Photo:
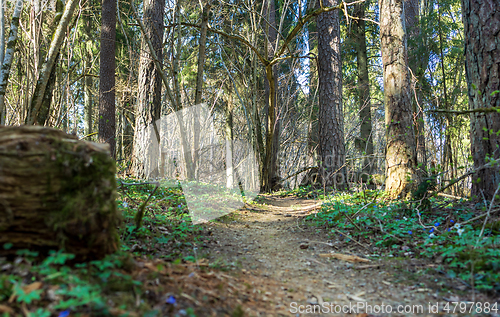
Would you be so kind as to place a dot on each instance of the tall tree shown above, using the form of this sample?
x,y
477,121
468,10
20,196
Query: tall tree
x,y
363,90
417,65
107,127
149,99
87,64
482,52
330,117
401,160
39,110
202,45
7,59
273,126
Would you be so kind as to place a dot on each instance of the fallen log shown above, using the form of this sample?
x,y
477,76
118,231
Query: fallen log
x,y
56,192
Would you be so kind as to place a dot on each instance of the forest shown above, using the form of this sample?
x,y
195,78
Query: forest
x,y
248,158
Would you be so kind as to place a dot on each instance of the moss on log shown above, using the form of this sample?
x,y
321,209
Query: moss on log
x,y
56,192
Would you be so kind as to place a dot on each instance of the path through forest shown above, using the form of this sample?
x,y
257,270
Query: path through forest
x,y
279,258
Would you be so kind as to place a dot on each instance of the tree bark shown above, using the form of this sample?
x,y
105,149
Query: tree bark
x,y
330,116
270,168
56,192
417,66
199,83
146,136
401,160
35,111
9,55
88,81
482,63
107,125
363,92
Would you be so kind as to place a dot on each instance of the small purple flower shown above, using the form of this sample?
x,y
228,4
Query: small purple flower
x,y
171,300
449,229
432,230
180,206
452,221
437,224
409,232
64,313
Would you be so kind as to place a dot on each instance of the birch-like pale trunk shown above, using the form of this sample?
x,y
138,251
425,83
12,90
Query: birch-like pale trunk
x,y
2,31
43,78
9,54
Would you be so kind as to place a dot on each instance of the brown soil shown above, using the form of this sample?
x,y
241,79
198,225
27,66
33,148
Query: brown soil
x,y
275,259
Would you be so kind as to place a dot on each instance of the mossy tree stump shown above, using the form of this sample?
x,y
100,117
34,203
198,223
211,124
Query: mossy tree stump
x,y
56,192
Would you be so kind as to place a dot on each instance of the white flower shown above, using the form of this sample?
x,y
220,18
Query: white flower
x,y
405,218
384,214
431,235
125,205
456,226
460,231
357,218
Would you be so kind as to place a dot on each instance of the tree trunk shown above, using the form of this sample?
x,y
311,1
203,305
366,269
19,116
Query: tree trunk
x,y
482,52
270,168
56,192
9,55
146,136
400,149
107,127
416,63
199,84
88,81
36,114
229,142
363,93
330,116
2,31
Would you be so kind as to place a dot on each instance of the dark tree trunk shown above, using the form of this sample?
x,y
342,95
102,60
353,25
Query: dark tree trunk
x,y
401,160
146,136
107,126
87,79
482,52
330,116
270,169
417,66
365,117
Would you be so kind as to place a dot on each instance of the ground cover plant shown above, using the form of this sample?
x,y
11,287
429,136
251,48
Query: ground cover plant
x,y
167,265
449,230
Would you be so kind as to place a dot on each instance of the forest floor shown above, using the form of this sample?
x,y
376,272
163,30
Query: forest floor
x,y
286,266
279,255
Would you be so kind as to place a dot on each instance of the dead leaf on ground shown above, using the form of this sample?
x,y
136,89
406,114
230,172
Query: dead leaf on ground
x,y
6,309
27,289
344,257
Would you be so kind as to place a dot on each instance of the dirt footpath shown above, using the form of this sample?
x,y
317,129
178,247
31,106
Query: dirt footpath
x,y
279,257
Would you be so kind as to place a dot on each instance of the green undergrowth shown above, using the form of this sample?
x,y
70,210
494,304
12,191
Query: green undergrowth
x,y
398,229
167,231
57,286
51,286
